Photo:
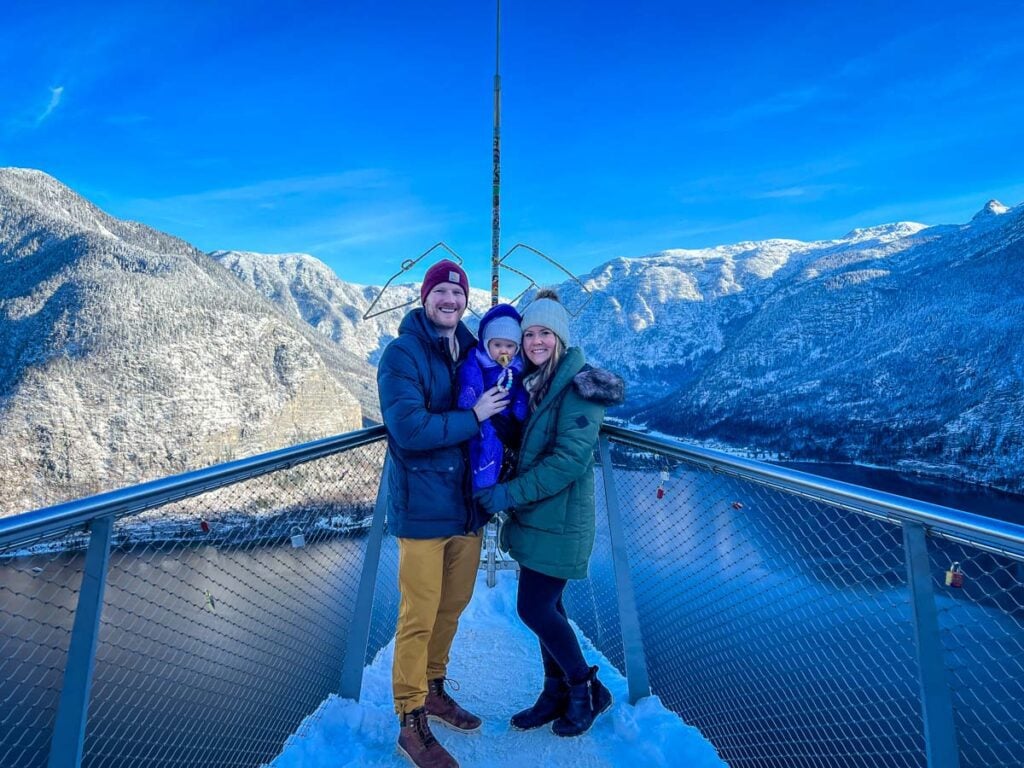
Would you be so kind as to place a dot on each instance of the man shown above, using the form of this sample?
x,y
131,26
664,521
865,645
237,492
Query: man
x,y
431,509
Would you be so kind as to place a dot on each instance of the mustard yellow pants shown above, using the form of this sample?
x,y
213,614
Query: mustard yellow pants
x,y
435,579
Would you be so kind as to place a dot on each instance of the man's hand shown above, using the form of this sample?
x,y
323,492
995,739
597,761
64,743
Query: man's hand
x,y
494,400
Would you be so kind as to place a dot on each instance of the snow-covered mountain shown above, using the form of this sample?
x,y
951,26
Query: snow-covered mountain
x,y
881,346
128,354
897,345
306,288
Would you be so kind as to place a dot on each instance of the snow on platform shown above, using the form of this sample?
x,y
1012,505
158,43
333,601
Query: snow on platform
x,y
496,662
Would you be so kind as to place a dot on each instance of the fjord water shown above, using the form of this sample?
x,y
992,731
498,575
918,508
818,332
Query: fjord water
x,y
782,627
205,653
979,499
776,616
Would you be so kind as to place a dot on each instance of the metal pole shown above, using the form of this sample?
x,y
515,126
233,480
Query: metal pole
x,y
68,741
496,156
629,618
491,534
359,634
936,700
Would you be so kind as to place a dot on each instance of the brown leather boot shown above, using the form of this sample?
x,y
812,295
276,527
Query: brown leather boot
x,y
442,707
417,743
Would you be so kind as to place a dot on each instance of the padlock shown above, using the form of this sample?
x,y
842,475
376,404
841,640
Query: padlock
x,y
204,526
298,537
661,492
737,505
955,576
664,476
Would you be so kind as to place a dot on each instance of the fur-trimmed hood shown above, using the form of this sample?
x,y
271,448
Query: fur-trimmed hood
x,y
600,386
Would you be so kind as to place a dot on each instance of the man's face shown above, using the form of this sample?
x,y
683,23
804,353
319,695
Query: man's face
x,y
445,305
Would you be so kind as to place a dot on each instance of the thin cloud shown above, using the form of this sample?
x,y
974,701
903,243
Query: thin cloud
x,y
805,180
55,96
888,56
355,213
355,229
777,104
806,191
272,189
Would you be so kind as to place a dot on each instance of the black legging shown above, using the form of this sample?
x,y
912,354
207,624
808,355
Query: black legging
x,y
539,603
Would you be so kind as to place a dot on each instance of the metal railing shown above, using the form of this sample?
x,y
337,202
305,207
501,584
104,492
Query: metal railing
x,y
190,621
797,621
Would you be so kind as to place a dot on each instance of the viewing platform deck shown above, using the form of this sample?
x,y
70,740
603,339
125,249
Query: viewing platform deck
x,y
496,663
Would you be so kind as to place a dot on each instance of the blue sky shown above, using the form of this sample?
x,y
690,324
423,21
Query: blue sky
x,y
360,132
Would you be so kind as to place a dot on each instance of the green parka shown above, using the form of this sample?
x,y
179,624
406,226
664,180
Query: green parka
x,y
551,525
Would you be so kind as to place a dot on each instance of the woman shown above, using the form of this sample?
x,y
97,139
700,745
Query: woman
x,y
550,501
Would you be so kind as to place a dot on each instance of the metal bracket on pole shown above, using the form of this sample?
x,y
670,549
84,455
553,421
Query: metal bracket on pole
x,y
68,742
489,559
629,618
359,633
936,700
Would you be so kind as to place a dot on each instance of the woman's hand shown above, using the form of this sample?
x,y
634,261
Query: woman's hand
x,y
494,499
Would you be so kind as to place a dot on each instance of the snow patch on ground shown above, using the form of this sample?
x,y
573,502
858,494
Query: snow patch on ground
x,y
497,664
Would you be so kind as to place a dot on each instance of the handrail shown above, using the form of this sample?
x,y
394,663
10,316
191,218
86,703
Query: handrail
x,y
998,535
138,498
940,698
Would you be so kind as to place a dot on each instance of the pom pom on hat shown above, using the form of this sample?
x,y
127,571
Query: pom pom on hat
x,y
445,271
547,311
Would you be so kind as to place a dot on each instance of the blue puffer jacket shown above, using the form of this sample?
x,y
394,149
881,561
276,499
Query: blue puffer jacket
x,y
429,480
499,435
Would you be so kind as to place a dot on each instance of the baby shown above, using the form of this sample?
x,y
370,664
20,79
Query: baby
x,y
495,361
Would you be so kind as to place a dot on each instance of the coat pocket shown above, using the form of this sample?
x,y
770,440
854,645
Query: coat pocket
x,y
434,489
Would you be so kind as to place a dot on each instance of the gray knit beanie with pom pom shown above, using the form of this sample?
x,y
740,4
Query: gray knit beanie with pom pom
x,y
547,311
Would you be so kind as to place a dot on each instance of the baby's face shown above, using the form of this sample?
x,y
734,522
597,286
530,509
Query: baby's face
x,y
502,350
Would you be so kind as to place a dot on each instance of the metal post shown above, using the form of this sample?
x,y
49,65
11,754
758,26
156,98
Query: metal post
x,y
496,161
491,539
629,619
936,700
359,633
69,730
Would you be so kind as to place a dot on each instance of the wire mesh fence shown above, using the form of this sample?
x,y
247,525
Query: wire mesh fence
x,y
982,629
224,622
778,624
38,595
591,602
781,625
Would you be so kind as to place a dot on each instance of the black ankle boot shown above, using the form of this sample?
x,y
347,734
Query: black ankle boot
x,y
587,700
551,705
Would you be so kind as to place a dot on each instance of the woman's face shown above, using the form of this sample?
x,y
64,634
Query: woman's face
x,y
539,344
